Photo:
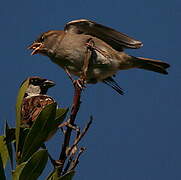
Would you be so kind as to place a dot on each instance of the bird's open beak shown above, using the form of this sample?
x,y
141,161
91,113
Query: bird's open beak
x,y
49,83
36,47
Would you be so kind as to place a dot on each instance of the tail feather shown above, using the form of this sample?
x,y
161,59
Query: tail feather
x,y
112,83
151,65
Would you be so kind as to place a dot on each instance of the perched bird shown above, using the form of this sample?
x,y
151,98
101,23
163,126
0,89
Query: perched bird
x,y
35,99
100,47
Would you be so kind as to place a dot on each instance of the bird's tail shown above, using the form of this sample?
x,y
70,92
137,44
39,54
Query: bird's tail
x,y
151,64
112,83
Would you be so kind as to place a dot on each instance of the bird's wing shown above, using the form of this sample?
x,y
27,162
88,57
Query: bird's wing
x,y
116,39
112,83
31,108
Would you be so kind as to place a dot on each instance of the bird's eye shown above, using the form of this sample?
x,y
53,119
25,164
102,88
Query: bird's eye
x,y
33,81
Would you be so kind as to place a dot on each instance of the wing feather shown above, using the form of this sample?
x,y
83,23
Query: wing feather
x,y
31,108
116,39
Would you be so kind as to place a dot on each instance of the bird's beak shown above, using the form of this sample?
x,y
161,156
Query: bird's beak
x,y
49,83
36,47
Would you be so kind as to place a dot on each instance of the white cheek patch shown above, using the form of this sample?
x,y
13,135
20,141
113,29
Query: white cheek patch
x,y
33,90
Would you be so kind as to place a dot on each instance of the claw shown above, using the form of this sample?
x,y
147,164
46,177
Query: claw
x,y
80,83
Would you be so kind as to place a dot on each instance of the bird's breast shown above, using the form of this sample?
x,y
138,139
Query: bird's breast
x,y
71,53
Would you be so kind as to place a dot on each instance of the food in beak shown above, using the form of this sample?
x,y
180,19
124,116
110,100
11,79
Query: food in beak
x,y
36,47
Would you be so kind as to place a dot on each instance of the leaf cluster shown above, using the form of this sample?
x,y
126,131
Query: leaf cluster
x,y
24,147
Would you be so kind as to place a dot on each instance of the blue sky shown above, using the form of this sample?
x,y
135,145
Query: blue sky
x,y
135,136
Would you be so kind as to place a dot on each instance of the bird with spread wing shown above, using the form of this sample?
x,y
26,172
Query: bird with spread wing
x,y
94,51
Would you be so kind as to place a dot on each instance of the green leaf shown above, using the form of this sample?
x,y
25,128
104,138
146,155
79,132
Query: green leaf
x,y
8,141
10,134
53,175
67,176
18,170
10,138
35,166
19,101
3,151
2,173
60,116
23,134
50,176
39,132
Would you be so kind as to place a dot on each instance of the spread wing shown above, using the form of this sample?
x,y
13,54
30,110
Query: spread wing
x,y
31,108
116,39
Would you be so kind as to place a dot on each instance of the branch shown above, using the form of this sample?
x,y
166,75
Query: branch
x,y
80,136
74,111
75,162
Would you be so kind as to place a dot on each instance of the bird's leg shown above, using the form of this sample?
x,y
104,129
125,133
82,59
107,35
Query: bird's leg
x,y
79,82
91,45
69,75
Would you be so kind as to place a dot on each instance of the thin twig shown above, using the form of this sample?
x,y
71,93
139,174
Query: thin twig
x,y
67,165
81,135
76,161
54,162
73,163
74,110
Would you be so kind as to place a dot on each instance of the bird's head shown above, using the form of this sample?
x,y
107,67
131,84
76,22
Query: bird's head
x,y
46,42
38,86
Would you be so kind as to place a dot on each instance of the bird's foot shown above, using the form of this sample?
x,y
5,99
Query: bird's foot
x,y
91,45
80,83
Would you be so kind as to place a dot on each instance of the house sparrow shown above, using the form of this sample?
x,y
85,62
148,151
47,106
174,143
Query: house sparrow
x,y
69,49
35,99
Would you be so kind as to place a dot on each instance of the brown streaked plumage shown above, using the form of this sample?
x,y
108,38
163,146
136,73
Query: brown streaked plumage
x,y
32,106
35,100
68,49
